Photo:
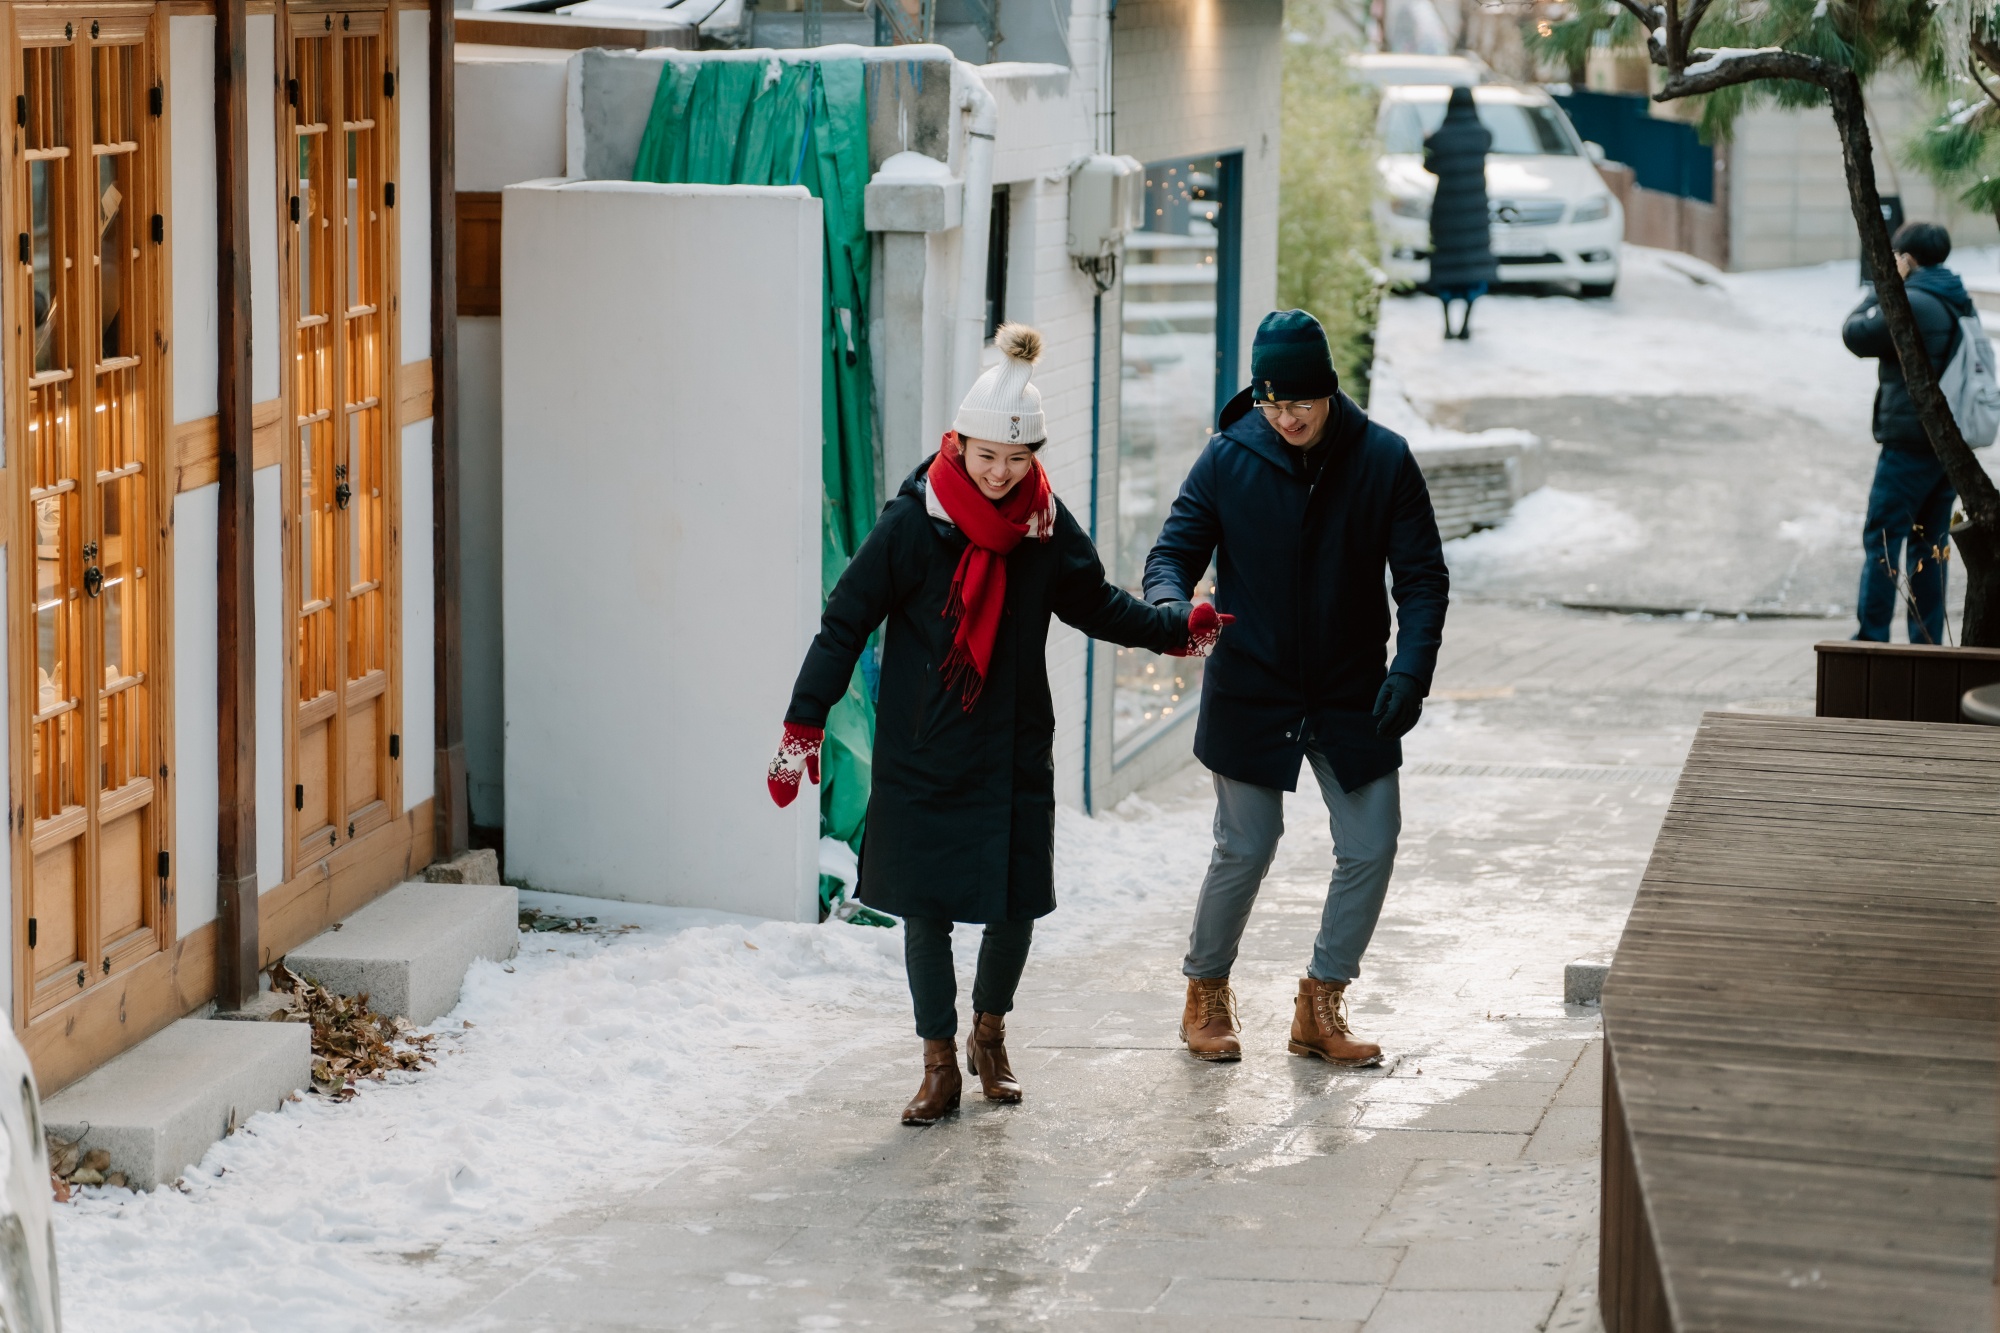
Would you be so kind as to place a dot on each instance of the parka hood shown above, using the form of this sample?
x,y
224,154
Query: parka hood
x,y
1942,283
1241,422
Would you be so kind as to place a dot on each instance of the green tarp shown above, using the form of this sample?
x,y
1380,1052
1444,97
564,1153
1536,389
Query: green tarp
x,y
755,122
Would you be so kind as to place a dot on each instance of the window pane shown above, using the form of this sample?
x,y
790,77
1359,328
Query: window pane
x,y
1166,407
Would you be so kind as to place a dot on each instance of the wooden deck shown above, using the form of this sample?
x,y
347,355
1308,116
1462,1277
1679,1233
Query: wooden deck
x,y
1800,1037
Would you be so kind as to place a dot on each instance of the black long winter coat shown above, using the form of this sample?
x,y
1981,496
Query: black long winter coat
x,y
1461,228
1299,564
1938,300
961,819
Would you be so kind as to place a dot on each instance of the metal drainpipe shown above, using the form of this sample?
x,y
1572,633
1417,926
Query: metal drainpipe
x,y
981,118
1096,431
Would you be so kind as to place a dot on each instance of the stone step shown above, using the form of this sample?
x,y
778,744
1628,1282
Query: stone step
x,y
157,1107
408,951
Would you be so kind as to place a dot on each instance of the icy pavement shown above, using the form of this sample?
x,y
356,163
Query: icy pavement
x,y
1708,436
693,1123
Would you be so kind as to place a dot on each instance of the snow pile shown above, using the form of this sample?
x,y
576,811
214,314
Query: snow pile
x,y
1389,405
1548,528
587,1066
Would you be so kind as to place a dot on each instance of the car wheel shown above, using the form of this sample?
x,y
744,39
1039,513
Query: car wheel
x,y
1592,290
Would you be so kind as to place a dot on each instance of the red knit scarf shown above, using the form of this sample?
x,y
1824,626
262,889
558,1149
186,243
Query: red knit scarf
x,y
992,530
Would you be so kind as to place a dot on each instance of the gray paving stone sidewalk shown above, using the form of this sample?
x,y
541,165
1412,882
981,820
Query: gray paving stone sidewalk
x,y
1138,1189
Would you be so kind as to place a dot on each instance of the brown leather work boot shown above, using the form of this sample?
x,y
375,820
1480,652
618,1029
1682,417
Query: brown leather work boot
x,y
1208,1023
986,1056
937,1095
1319,1026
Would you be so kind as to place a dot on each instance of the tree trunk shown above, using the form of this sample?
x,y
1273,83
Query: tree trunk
x,y
1978,540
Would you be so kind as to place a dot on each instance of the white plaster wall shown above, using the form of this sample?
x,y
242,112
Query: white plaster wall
x,y
191,215
268,568
479,535
196,772
509,102
662,563
266,357
419,729
413,191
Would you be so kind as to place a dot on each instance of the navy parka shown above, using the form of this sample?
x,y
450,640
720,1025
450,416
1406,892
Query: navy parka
x,y
1299,564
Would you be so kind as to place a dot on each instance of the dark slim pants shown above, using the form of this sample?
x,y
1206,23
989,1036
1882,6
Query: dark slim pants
x,y
1908,526
1003,952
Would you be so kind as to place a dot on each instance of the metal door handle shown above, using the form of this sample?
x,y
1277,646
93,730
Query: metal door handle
x,y
93,581
342,494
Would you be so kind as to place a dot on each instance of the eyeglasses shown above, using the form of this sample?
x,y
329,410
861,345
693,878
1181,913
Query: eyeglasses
x,y
1298,411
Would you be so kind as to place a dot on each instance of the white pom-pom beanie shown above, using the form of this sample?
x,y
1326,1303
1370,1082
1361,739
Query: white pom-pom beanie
x,y
1001,404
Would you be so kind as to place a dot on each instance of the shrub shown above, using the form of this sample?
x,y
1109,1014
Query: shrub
x,y
1326,233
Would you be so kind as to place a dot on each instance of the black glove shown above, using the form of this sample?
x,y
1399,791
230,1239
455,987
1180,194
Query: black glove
x,y
1398,706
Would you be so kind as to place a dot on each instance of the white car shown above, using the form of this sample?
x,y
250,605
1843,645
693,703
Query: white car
x,y
1385,69
29,1299
1554,219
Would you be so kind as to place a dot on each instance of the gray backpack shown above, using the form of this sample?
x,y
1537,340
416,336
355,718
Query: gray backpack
x,y
1970,386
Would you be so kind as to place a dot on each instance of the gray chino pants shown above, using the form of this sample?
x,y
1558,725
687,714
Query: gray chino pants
x,y
1249,820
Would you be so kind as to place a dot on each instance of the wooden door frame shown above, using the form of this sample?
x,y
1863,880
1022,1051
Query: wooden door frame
x,y
390,397
156,169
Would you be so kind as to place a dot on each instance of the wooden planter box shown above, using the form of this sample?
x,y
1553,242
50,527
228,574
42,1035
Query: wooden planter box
x,y
1899,682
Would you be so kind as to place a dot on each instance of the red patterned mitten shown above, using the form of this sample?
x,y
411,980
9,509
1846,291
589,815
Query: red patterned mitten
x,y
1204,627
798,755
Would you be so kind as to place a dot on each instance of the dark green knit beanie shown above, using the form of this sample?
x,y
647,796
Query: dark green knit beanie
x,y
1289,359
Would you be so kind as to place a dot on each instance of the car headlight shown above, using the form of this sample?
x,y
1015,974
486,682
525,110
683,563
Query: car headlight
x,y
1594,209
1409,206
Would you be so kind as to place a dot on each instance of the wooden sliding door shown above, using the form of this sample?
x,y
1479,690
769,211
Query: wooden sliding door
x,y
90,601
341,461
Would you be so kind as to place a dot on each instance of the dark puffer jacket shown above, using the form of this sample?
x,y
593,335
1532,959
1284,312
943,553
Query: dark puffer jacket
x,y
1461,228
961,817
1300,564
1939,300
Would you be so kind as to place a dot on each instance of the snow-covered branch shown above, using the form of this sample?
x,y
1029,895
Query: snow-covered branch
x,y
1730,66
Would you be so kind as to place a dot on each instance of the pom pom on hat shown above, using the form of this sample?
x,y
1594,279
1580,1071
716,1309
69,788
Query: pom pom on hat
x,y
1002,405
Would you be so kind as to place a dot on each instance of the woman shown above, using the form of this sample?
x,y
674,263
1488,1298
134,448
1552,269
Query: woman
x,y
967,564
1462,266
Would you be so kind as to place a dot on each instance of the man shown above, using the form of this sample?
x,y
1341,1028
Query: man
x,y
1908,527
1302,501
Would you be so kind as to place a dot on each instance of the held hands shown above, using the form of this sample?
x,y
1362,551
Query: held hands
x,y
1398,706
798,755
1204,627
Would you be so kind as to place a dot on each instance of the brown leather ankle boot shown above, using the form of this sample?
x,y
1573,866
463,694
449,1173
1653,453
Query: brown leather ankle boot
x,y
986,1056
1319,1026
937,1095
1208,1022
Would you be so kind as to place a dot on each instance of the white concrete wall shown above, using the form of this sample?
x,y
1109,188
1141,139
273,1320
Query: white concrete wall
x,y
510,105
268,568
196,760
662,562
191,215
419,724
266,355
413,191
1788,192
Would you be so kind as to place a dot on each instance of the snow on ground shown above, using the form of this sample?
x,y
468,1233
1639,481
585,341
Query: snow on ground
x,y
1676,326
1548,527
588,1063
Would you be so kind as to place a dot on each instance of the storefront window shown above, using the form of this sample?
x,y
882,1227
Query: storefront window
x,y
1175,269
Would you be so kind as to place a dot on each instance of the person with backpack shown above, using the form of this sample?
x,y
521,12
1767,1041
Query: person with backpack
x,y
967,565
1906,537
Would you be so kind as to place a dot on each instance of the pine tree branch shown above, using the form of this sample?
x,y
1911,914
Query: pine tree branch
x,y
1718,69
1984,52
1696,13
